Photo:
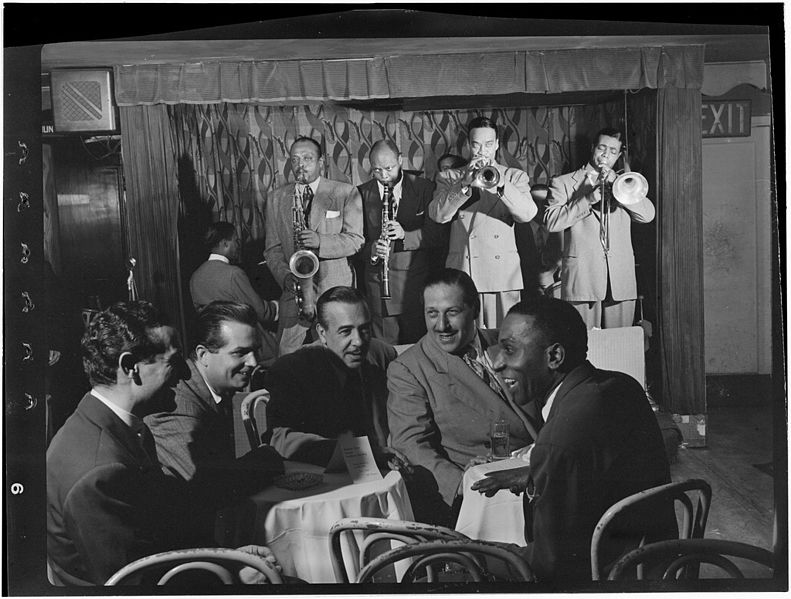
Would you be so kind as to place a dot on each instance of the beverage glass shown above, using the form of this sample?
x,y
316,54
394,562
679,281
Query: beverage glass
x,y
500,440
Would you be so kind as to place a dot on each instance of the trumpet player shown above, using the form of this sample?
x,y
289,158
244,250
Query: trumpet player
x,y
330,226
598,268
398,246
482,201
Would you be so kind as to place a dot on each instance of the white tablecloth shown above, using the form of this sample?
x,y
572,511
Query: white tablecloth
x,y
295,524
497,518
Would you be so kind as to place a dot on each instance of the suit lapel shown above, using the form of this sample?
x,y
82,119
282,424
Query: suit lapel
x,y
408,203
98,413
199,389
321,202
577,376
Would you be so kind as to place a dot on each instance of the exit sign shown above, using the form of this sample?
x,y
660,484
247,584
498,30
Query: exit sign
x,y
725,118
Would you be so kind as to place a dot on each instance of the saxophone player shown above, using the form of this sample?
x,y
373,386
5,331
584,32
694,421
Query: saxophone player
x,y
333,230
399,247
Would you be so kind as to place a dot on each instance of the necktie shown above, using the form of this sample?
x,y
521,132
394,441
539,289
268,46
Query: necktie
x,y
146,440
470,358
307,201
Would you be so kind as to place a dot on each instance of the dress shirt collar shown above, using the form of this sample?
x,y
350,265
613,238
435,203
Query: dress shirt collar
x,y
217,398
397,188
478,347
129,419
548,404
219,258
313,186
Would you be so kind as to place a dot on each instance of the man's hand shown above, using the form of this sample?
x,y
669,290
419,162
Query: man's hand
x,y
382,249
468,180
394,459
248,574
309,239
394,230
514,479
476,461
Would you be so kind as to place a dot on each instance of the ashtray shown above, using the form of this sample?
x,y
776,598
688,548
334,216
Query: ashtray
x,y
294,481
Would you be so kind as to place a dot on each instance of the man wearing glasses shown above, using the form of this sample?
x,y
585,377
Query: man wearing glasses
x,y
598,276
405,246
332,214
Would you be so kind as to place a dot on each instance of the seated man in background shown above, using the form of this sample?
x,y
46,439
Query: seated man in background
x,y
444,395
194,440
220,278
108,502
333,385
448,162
600,443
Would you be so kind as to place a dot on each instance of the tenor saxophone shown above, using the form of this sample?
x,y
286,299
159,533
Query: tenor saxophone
x,y
303,264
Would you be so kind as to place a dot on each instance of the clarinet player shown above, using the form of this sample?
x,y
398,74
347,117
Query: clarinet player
x,y
331,228
398,245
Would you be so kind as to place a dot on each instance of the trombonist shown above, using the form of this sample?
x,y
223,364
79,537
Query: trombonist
x,y
598,269
398,246
316,214
482,201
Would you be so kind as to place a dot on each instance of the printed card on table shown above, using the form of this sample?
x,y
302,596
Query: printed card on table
x,y
356,454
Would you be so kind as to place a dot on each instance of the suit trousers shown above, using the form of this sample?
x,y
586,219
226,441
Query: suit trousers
x,y
494,307
606,314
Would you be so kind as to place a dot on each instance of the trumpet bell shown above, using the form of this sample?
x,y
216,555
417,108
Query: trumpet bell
x,y
630,188
303,264
488,177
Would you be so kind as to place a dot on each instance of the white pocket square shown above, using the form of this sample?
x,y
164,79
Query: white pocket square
x,y
420,213
333,213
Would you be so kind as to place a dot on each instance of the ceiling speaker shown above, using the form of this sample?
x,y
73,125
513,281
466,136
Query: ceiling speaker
x,y
82,100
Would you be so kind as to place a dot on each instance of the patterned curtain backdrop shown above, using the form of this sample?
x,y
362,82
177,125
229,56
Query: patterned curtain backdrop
x,y
232,156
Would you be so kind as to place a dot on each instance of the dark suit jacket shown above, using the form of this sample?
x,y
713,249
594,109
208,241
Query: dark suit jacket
x,y
409,257
440,411
600,443
314,398
195,443
108,503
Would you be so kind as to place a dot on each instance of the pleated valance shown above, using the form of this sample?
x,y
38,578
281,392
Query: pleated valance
x,y
409,76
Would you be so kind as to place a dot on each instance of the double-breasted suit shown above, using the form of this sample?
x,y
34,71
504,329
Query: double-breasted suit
x,y
440,412
410,258
336,215
586,267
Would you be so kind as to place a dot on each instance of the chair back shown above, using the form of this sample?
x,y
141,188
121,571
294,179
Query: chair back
x,y
377,532
693,523
224,564
253,407
452,561
677,555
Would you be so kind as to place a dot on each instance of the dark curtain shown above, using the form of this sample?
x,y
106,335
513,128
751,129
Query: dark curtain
x,y
151,207
680,249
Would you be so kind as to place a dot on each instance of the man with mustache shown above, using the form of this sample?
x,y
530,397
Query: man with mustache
x,y
333,214
195,440
482,241
444,395
336,384
597,275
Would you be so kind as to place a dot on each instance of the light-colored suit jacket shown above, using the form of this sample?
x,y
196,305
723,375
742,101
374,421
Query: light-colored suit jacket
x,y
585,265
440,412
482,242
336,214
216,280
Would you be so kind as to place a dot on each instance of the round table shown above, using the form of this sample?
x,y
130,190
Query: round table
x,y
497,518
295,524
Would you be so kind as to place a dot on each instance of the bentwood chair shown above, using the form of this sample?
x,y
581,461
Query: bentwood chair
x,y
452,561
250,408
169,567
693,524
677,556
378,533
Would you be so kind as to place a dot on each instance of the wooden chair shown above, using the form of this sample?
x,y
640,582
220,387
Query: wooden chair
x,y
224,564
692,526
680,554
248,409
379,531
452,561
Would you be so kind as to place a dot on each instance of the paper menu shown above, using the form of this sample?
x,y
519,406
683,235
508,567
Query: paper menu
x,y
358,457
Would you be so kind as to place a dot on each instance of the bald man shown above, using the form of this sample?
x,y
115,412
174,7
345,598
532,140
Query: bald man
x,y
410,237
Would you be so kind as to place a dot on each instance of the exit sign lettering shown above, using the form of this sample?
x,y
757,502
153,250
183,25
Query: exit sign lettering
x,y
725,118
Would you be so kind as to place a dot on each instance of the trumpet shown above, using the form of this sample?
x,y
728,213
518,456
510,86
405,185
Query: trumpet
x,y
303,264
386,217
488,177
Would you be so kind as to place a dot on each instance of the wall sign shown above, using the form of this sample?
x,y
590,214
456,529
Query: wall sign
x,y
726,118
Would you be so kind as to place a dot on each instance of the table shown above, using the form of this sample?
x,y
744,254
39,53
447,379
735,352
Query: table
x,y
497,518
295,524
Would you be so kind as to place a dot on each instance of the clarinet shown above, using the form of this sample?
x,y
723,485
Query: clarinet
x,y
386,216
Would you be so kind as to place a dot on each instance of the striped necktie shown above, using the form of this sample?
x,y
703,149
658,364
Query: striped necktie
x,y
470,358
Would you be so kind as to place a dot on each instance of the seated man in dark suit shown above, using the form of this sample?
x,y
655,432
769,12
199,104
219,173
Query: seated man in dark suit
x,y
194,440
108,502
600,442
333,385
444,395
